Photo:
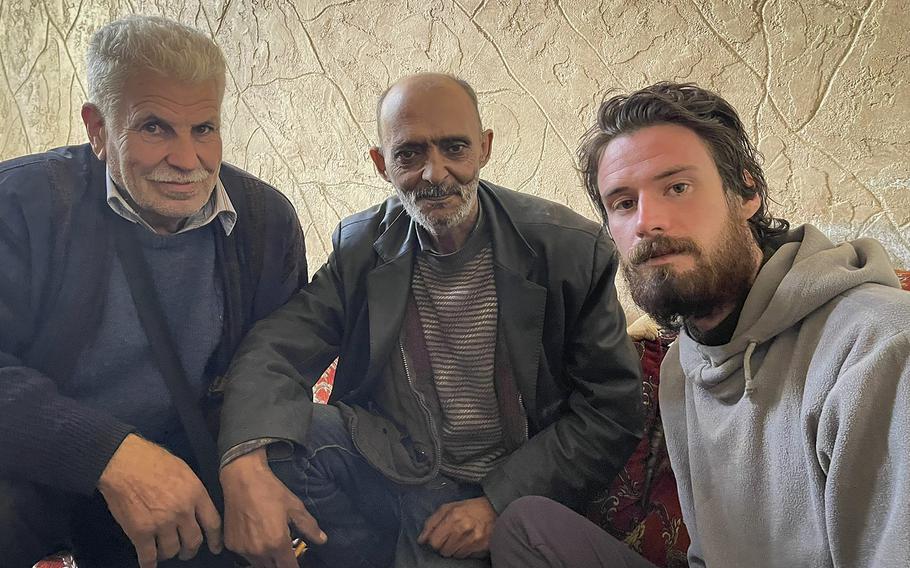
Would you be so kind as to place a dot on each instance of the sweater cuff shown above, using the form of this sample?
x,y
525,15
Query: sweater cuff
x,y
93,443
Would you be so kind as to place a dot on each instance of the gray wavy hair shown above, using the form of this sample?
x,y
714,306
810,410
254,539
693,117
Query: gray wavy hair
x,y
142,44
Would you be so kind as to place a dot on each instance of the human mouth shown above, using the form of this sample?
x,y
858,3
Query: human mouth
x,y
662,258
660,251
434,195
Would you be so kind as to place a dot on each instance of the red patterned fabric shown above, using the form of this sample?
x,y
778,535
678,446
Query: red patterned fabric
x,y
322,390
904,276
641,508
62,561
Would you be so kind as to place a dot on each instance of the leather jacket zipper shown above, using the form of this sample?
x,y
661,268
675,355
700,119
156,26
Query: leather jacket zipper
x,y
426,411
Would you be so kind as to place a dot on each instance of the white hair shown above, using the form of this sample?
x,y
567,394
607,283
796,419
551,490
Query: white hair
x,y
142,44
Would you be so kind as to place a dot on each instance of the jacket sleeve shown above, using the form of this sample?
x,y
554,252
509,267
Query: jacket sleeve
x,y
863,447
45,437
268,387
594,437
284,269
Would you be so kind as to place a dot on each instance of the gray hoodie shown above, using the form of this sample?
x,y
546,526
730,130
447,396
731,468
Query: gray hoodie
x,y
791,443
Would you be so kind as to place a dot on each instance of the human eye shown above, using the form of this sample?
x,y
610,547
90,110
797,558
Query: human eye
x,y
622,204
151,127
679,188
456,147
405,155
204,129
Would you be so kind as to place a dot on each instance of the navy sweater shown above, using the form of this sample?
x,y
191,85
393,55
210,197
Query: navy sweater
x,y
56,258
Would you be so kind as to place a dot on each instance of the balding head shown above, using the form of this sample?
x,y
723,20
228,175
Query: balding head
x,y
398,96
432,149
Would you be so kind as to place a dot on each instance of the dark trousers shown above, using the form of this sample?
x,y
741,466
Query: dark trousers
x,y
371,522
36,521
536,532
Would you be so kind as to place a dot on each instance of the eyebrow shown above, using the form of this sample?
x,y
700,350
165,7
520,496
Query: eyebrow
x,y
662,175
143,118
435,141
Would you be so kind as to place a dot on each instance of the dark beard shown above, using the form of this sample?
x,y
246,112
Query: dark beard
x,y
670,298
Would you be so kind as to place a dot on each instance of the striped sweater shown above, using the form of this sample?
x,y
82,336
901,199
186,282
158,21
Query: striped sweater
x,y
456,301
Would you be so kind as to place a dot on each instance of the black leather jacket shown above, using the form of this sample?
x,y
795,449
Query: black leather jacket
x,y
576,370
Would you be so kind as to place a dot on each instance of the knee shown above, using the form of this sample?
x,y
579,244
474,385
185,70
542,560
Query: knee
x,y
520,522
30,523
17,503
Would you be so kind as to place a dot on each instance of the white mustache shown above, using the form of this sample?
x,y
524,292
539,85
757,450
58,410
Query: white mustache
x,y
167,174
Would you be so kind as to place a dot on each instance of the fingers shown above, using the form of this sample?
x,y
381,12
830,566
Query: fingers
x,y
285,558
307,526
431,524
146,551
278,556
210,521
459,529
190,540
168,543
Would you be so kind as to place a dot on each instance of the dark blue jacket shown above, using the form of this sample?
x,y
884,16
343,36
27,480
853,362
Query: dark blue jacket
x,y
55,259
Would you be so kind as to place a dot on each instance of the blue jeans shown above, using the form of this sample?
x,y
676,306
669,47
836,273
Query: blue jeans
x,y
371,521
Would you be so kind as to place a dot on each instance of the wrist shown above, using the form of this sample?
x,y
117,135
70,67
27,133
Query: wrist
x,y
254,461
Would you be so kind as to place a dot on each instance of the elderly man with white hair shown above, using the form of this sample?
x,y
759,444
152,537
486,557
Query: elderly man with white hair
x,y
132,266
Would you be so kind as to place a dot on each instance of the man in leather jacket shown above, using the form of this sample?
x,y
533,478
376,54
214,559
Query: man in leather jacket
x,y
482,357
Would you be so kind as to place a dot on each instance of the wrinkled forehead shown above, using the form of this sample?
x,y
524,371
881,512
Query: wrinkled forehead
x,y
440,108
171,99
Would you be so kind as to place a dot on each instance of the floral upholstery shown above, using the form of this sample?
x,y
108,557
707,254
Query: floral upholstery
x,y
641,507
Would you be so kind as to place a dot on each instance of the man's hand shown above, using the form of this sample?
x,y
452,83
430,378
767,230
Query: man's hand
x,y
460,529
159,502
258,509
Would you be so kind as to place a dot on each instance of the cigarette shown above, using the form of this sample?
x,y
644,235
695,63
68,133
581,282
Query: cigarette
x,y
299,547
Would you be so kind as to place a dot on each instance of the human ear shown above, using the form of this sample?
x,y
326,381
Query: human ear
x,y
379,162
486,146
750,205
95,128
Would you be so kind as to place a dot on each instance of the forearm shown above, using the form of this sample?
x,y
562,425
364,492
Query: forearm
x,y
56,440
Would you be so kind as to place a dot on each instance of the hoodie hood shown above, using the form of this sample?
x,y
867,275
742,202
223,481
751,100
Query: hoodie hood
x,y
806,272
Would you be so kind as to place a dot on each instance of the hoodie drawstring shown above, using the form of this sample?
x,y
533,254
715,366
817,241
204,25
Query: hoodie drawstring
x,y
747,367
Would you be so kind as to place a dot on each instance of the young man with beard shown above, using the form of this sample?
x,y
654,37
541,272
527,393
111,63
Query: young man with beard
x,y
786,399
482,357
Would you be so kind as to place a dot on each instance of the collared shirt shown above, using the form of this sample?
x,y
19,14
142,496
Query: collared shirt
x,y
219,205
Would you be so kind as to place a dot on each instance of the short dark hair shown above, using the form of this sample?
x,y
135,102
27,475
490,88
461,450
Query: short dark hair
x,y
707,114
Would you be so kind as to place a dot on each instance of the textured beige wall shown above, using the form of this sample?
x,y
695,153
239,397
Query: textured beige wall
x,y
822,85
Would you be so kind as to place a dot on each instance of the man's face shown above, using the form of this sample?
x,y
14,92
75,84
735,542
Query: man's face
x,y
432,152
163,147
686,247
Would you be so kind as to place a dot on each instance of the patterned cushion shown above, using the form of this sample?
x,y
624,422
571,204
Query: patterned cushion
x,y
641,508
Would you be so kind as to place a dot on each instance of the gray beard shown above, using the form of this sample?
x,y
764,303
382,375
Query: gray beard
x,y
468,193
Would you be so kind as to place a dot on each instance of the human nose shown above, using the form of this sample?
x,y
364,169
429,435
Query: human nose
x,y
434,168
183,153
651,216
